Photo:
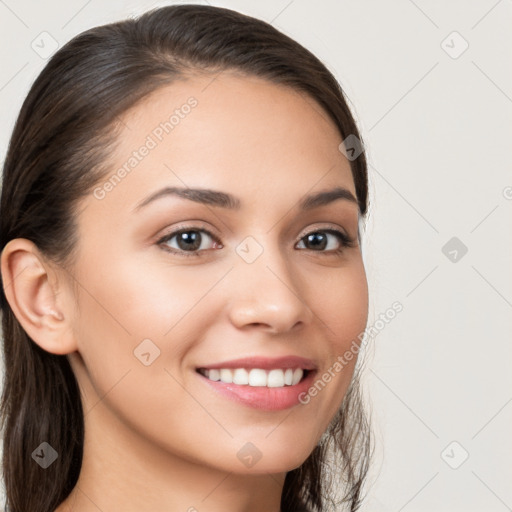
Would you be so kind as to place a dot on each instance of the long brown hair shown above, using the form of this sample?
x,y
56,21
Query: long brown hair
x,y
58,152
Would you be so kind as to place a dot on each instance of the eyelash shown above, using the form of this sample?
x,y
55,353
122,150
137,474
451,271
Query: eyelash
x,y
345,240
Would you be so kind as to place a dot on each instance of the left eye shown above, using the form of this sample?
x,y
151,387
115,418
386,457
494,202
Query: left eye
x,y
325,240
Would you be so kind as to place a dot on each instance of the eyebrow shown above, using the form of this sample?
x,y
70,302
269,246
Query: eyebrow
x,y
228,201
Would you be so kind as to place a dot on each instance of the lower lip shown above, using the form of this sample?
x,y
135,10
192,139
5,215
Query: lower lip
x,y
261,397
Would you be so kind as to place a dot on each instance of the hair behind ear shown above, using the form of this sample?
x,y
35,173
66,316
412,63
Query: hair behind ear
x,y
49,410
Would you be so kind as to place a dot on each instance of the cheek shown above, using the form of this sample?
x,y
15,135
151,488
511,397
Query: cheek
x,y
342,305
168,306
144,301
136,309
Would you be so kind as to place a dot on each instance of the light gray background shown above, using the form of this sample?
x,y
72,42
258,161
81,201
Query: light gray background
x,y
438,131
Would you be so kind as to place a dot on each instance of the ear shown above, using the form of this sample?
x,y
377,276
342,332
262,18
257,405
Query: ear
x,y
38,297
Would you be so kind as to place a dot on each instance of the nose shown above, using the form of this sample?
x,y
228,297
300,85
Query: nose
x,y
268,295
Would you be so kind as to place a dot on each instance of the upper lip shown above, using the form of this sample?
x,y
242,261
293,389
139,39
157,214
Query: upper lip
x,y
265,363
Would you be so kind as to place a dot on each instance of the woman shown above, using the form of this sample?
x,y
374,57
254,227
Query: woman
x,y
183,286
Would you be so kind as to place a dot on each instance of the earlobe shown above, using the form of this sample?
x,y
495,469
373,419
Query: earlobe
x,y
34,292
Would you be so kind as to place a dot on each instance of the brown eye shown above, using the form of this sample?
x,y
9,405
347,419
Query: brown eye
x,y
327,240
189,240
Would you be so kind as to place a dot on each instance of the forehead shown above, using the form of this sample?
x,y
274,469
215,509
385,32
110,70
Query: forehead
x,y
228,131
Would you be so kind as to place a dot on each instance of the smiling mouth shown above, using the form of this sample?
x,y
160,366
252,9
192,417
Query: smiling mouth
x,y
256,377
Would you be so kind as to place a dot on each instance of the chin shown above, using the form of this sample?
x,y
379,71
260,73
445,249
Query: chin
x,y
268,457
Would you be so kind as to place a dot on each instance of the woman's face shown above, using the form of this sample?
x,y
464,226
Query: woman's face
x,y
174,288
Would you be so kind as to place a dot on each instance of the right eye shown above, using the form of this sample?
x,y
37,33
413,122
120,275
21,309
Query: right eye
x,y
189,241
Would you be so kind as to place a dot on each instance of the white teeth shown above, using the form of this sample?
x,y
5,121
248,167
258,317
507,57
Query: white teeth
x,y
241,376
256,377
275,379
297,375
226,375
213,374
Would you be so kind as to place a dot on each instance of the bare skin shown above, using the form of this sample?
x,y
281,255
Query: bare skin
x,y
158,438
